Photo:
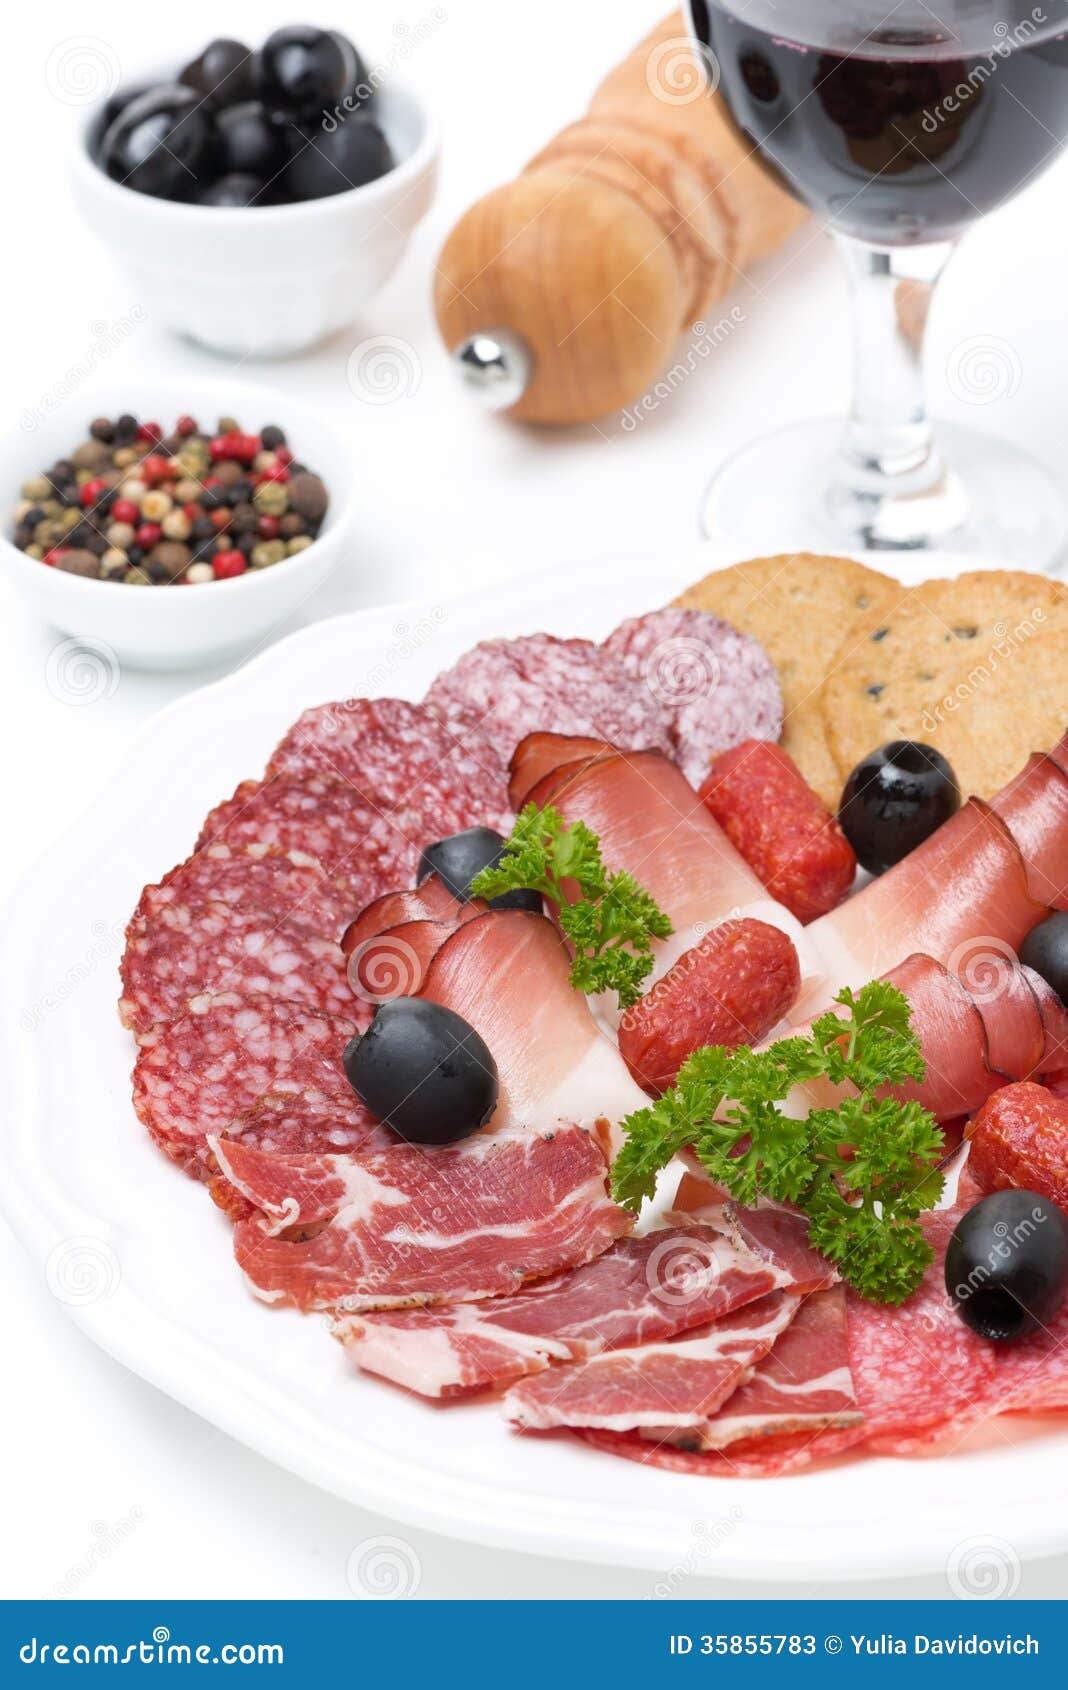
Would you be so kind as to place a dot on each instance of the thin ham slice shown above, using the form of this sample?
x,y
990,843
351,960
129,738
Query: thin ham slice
x,y
803,1386
432,901
541,754
411,1225
641,1290
750,1458
651,823
671,1384
1034,808
964,889
772,1231
506,973
394,963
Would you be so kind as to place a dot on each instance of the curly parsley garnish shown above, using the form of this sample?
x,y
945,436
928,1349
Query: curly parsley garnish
x,y
609,919
861,1171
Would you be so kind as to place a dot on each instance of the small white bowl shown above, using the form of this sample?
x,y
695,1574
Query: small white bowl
x,y
188,624
266,281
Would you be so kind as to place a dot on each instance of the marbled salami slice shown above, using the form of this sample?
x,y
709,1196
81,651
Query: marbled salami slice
x,y
226,1053
370,850
717,686
399,756
291,886
511,688
191,948
757,1458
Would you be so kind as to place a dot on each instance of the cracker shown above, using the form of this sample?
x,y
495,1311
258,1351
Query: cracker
x,y
894,671
988,721
798,605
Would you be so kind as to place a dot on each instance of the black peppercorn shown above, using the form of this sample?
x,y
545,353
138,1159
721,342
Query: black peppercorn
x,y
102,428
203,528
272,437
126,430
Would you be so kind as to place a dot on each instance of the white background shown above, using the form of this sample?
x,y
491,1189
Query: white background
x,y
95,1458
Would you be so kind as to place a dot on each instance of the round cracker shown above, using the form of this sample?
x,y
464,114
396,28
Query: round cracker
x,y
992,714
893,669
796,605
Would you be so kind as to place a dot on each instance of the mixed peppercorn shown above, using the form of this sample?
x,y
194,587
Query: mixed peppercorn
x,y
133,504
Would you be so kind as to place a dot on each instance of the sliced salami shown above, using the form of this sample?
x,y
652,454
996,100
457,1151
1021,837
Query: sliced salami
x,y
370,850
290,885
511,688
716,686
399,756
224,1055
191,948
756,1458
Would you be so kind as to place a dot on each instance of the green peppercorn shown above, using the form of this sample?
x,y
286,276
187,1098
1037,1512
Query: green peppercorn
x,y
271,498
299,543
268,552
38,487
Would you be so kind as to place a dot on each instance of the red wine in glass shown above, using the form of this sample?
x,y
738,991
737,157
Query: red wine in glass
x,y
900,127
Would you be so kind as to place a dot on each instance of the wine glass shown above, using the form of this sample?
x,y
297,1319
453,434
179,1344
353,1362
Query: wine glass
x,y
899,125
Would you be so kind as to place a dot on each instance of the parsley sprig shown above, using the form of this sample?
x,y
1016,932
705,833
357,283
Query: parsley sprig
x,y
862,1171
609,919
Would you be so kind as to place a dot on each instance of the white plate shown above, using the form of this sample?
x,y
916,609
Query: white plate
x,y
143,1260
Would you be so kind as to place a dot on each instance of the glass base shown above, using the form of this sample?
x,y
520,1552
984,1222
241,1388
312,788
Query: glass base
x,y
780,493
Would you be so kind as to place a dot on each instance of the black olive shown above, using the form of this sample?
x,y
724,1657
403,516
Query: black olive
x,y
334,160
1007,1264
225,73
160,144
894,800
357,91
457,859
248,142
117,103
303,68
424,1071
1046,951
238,188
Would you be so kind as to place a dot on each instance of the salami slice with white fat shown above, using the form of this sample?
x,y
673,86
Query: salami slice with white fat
x,y
717,686
508,689
191,948
206,1072
399,756
290,885
369,850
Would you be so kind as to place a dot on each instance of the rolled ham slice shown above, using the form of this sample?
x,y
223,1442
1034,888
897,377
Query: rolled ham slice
x,y
964,890
1034,808
432,901
507,973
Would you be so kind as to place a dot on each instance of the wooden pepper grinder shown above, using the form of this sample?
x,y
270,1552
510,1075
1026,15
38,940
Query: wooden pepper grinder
x,y
562,294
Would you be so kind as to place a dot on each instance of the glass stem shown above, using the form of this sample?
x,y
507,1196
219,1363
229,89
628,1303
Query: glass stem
x,y
890,475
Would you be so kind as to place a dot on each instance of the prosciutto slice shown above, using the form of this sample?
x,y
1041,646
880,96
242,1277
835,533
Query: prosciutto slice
x,y
506,972
542,754
665,1385
432,901
1034,808
394,964
804,1385
651,823
964,891
641,1290
410,1225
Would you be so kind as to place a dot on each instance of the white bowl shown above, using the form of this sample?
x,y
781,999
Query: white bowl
x,y
188,624
267,280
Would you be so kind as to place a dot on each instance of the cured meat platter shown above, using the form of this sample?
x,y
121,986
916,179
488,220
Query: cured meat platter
x,y
145,1264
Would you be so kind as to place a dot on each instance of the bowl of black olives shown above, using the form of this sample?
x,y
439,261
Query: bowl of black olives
x,y
259,196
